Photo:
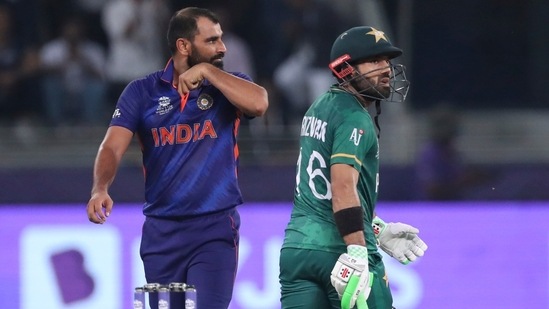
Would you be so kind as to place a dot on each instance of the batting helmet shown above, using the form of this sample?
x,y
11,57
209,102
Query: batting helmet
x,y
360,43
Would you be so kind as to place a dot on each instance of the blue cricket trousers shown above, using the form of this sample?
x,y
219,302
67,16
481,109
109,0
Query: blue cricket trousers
x,y
202,251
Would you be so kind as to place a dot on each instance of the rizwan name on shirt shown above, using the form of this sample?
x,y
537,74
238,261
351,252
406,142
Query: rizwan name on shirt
x,y
314,127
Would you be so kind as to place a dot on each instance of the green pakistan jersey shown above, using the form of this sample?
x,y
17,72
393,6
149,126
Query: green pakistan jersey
x,y
335,130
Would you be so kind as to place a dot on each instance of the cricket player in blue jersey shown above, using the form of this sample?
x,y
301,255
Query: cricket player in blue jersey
x,y
186,118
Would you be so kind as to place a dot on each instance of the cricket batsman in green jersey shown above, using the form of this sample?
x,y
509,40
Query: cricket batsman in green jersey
x,y
330,257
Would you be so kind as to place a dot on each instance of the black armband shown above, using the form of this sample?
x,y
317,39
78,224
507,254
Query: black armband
x,y
349,220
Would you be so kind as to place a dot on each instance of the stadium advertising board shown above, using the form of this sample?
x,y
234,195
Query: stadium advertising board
x,y
481,255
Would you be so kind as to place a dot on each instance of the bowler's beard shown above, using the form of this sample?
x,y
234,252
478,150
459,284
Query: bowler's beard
x,y
196,57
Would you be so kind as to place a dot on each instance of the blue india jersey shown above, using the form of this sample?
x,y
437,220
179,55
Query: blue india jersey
x,y
190,152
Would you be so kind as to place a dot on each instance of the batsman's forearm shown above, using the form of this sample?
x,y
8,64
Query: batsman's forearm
x,y
356,238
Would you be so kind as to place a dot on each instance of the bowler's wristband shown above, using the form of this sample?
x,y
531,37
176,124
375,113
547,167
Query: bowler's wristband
x,y
349,220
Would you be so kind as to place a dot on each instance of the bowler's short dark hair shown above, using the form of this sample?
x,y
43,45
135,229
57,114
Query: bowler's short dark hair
x,y
183,25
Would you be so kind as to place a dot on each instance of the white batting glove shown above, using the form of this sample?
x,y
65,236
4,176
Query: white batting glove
x,y
399,240
351,277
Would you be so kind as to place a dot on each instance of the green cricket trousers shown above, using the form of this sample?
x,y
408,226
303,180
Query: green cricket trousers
x,y
305,280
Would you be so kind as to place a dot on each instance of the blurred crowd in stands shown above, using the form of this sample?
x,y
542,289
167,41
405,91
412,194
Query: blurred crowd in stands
x,y
63,63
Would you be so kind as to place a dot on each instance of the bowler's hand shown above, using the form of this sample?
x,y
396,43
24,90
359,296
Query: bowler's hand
x,y
190,79
99,207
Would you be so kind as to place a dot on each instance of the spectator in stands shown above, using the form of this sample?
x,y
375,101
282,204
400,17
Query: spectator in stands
x,y
441,171
19,73
136,33
74,85
310,26
239,54
90,10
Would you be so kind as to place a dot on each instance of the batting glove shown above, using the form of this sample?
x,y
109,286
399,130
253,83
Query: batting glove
x,y
399,240
351,277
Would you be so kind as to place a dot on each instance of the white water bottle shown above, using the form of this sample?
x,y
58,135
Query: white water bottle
x,y
163,297
190,297
151,289
139,298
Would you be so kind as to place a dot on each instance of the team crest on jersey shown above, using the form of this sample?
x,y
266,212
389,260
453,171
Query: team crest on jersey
x,y
204,101
164,106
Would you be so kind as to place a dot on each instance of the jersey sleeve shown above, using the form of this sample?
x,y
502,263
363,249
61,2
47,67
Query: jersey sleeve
x,y
353,138
128,108
248,78
243,76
